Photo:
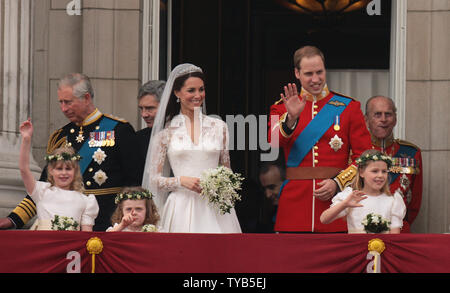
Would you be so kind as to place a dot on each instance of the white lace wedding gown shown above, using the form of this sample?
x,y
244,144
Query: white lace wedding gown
x,y
186,211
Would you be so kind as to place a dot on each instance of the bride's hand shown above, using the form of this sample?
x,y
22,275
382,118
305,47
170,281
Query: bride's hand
x,y
191,183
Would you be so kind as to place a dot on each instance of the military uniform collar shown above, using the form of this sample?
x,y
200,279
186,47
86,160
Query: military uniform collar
x,y
310,97
91,118
383,143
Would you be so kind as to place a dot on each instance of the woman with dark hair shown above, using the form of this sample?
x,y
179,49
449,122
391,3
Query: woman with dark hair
x,y
185,142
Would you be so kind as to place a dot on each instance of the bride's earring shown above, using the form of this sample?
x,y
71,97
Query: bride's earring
x,y
178,99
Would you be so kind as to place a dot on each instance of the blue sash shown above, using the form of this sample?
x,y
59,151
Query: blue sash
x,y
86,152
316,128
405,150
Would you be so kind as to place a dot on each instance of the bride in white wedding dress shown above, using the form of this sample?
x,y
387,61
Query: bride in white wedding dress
x,y
187,142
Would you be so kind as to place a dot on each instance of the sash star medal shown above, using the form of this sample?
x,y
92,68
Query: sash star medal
x,y
99,156
100,177
404,182
336,143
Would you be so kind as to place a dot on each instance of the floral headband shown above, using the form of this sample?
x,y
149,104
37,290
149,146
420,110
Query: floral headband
x,y
62,157
136,195
362,161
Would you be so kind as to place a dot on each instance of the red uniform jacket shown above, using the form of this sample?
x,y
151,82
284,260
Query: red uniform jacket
x,y
298,209
407,171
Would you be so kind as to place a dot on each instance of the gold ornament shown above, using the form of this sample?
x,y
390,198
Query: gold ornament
x,y
377,245
80,136
94,246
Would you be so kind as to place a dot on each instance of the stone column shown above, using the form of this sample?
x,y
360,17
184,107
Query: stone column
x,y
427,106
15,96
111,55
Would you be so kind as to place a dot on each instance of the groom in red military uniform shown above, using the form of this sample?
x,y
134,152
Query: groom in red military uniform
x,y
406,173
321,132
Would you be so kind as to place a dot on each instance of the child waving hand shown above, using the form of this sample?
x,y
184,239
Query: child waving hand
x,y
60,202
368,205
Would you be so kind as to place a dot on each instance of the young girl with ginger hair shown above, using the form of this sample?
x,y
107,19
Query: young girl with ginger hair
x,y
62,196
135,211
369,193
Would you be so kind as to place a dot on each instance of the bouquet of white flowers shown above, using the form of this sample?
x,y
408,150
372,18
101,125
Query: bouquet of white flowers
x,y
149,228
220,187
374,223
64,223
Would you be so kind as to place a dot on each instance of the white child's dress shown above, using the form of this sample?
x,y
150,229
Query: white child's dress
x,y
52,200
391,207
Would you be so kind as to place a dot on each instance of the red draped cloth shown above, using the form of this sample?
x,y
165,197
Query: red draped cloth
x,y
127,252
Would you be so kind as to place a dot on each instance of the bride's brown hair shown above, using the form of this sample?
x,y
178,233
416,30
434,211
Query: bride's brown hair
x,y
173,107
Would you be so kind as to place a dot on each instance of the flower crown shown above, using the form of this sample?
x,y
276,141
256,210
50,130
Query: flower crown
x,y
362,161
62,157
136,195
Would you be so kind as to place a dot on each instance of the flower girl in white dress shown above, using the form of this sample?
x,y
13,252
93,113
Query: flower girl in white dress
x,y
60,203
369,194
187,142
135,211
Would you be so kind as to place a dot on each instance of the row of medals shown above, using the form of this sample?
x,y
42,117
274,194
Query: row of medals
x,y
102,142
93,142
404,165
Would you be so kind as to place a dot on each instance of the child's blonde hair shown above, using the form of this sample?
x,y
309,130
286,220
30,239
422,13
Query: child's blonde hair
x,y
151,213
363,161
66,151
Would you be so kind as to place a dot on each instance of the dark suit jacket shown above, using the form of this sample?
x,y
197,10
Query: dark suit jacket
x,y
143,138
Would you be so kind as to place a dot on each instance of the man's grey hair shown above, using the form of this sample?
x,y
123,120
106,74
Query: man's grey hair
x,y
391,101
152,87
79,82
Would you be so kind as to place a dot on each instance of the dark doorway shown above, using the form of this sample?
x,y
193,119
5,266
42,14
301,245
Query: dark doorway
x,y
245,48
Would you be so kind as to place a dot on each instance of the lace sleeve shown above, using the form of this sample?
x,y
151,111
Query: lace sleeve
x,y
224,153
160,182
